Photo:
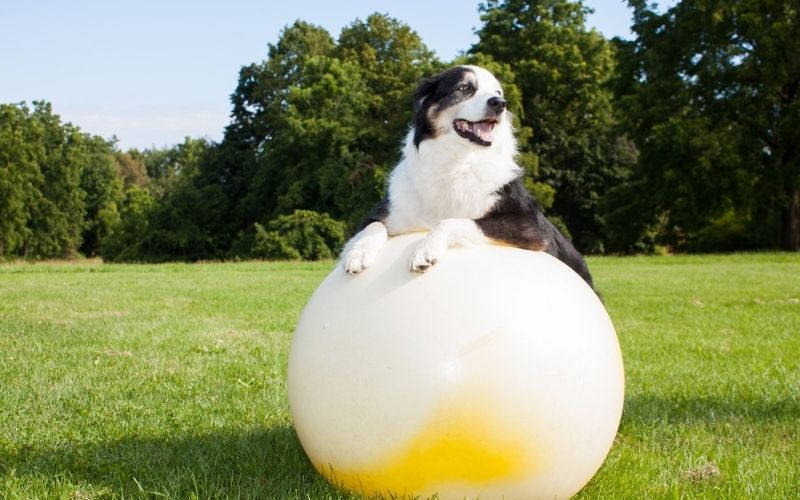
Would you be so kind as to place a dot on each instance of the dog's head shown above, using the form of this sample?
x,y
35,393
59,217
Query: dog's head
x,y
464,103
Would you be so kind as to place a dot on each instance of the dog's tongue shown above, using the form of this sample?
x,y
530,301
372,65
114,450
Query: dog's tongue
x,y
483,130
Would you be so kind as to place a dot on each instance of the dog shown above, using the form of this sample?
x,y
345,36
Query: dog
x,y
459,180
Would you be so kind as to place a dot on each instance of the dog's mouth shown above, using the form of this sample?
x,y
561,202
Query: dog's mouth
x,y
477,132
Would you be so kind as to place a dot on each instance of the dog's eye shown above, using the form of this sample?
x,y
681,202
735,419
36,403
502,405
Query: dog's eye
x,y
464,87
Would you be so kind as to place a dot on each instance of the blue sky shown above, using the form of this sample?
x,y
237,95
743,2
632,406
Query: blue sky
x,y
154,71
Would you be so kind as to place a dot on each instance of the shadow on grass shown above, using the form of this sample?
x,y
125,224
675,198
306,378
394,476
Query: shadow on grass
x,y
707,410
264,464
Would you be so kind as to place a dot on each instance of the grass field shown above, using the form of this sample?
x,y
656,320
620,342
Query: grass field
x,y
169,380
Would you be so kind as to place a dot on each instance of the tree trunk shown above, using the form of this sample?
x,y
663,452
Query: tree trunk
x,y
790,222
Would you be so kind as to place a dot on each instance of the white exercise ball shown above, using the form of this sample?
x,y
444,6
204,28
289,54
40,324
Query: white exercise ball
x,y
495,374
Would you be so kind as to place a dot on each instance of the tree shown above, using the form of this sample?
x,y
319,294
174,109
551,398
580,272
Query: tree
x,y
103,188
56,219
314,156
123,241
318,124
131,169
58,188
250,185
173,213
712,89
189,219
391,60
19,178
562,71
164,166
182,224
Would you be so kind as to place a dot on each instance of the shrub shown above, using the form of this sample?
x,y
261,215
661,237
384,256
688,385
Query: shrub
x,y
303,235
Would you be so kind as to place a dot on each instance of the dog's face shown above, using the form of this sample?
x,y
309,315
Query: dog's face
x,y
464,103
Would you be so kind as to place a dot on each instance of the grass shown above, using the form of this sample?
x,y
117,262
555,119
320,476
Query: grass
x,y
169,380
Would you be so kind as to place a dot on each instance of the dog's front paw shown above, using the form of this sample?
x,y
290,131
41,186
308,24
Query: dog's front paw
x,y
357,259
360,252
427,253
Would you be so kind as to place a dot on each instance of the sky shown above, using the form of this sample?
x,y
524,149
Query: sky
x,y
152,72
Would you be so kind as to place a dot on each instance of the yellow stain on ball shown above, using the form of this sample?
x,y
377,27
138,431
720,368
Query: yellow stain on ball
x,y
464,441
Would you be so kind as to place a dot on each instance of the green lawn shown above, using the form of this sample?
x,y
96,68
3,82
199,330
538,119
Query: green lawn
x,y
169,380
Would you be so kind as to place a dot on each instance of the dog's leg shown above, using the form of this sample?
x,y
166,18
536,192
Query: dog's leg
x,y
447,233
362,248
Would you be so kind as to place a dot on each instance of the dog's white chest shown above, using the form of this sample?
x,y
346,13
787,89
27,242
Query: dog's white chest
x,y
455,193
422,194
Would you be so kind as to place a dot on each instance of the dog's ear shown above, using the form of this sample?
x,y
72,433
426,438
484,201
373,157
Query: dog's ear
x,y
425,90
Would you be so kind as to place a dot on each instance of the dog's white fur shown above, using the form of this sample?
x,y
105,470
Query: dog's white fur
x,y
444,185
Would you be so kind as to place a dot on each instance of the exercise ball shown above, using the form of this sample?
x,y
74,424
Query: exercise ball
x,y
495,374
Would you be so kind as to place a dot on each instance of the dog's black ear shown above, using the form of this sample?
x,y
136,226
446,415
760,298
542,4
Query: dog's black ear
x,y
425,90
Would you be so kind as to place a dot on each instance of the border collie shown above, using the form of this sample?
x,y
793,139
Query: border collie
x,y
458,180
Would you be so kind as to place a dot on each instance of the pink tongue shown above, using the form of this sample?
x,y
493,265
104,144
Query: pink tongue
x,y
482,130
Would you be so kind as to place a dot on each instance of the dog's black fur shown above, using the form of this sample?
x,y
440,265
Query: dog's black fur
x,y
517,221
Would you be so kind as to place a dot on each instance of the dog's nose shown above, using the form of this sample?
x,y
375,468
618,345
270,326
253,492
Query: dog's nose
x,y
498,104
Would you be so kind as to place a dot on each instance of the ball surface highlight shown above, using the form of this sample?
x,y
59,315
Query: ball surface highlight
x,y
496,374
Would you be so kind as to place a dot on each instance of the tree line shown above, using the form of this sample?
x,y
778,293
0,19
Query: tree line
x,y
684,138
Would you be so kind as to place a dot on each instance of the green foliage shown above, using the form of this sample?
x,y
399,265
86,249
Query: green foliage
x,y
684,138
391,60
19,178
183,224
131,169
270,245
172,215
303,235
56,216
711,93
123,242
630,230
726,233
317,125
250,183
313,154
164,166
103,188
58,186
